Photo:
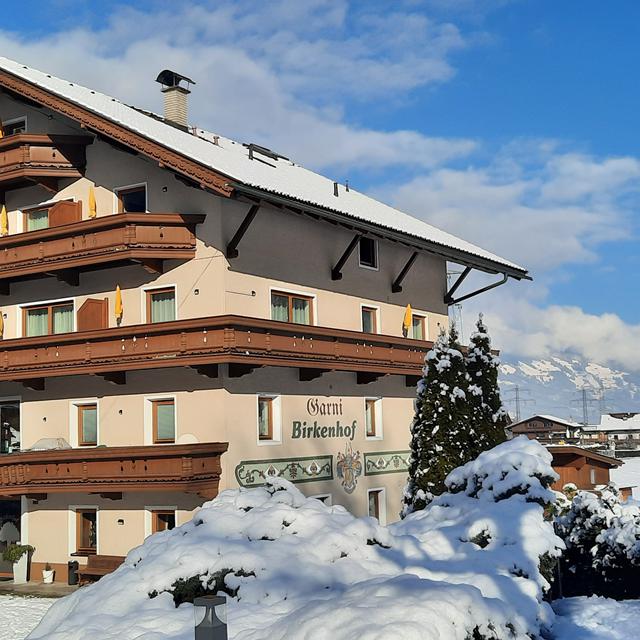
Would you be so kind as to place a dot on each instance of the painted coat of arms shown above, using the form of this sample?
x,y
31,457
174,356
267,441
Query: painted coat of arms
x,y
349,468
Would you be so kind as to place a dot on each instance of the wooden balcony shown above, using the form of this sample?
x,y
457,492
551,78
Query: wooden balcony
x,y
67,249
27,159
203,343
190,468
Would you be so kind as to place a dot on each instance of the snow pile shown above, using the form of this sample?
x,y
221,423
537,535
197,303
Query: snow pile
x,y
602,535
596,619
468,566
19,615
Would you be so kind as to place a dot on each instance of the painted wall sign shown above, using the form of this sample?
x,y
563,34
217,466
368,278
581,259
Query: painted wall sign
x,y
253,473
321,408
301,429
349,468
386,462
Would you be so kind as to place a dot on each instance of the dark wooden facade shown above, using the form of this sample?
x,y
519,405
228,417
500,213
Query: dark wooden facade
x,y
241,342
190,468
145,238
582,467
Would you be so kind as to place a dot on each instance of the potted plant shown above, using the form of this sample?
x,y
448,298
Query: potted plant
x,y
48,574
19,555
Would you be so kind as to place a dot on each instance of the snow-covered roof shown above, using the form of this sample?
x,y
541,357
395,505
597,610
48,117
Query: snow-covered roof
x,y
617,422
550,418
279,177
628,475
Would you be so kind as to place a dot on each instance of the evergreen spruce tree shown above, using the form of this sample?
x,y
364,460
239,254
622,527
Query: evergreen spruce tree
x,y
488,416
438,432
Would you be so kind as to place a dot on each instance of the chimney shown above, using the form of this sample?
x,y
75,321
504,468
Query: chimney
x,y
175,96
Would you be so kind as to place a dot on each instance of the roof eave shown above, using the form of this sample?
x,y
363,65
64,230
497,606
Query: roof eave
x,y
449,253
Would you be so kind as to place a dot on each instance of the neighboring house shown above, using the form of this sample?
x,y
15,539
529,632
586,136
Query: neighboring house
x,y
545,428
585,468
616,430
182,313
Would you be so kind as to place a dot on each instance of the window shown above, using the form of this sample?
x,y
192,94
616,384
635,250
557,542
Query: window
x,y
87,425
36,219
371,417
163,520
368,250
287,307
163,417
418,327
161,305
14,126
324,498
86,531
369,320
265,418
132,200
48,319
375,498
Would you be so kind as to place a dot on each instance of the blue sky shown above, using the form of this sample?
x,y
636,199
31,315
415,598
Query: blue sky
x,y
510,123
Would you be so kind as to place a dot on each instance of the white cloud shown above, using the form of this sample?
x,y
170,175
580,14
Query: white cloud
x,y
286,74
532,332
279,73
545,216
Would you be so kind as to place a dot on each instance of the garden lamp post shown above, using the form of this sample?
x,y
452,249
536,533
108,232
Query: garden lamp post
x,y
210,618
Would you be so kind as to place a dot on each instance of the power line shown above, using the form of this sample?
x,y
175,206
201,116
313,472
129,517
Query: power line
x,y
518,399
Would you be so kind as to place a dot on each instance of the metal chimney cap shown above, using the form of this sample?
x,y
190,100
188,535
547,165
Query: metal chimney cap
x,y
170,78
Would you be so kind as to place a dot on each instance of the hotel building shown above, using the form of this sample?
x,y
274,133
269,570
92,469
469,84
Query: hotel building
x,y
182,313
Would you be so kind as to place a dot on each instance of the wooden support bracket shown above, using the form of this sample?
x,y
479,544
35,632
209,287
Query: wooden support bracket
x,y
396,287
237,370
336,272
232,247
36,384
306,375
115,377
366,377
206,370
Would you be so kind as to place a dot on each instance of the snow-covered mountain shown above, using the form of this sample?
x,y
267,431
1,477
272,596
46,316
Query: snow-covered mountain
x,y
554,386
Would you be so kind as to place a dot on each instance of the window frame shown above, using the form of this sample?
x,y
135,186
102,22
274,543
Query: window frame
x,y
158,512
423,323
377,418
276,419
155,402
290,295
149,292
148,516
362,265
380,504
376,317
79,549
80,409
269,400
49,305
128,189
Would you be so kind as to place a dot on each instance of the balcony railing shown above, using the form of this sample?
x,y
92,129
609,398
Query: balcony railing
x,y
146,238
41,158
202,343
190,468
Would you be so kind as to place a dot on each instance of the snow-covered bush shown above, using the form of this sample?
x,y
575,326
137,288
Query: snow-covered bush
x,y
467,567
602,535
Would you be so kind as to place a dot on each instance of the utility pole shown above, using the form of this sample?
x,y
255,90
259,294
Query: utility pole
x,y
518,399
585,399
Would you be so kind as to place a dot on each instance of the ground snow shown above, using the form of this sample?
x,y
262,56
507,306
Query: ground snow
x,y
19,615
596,619
301,569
